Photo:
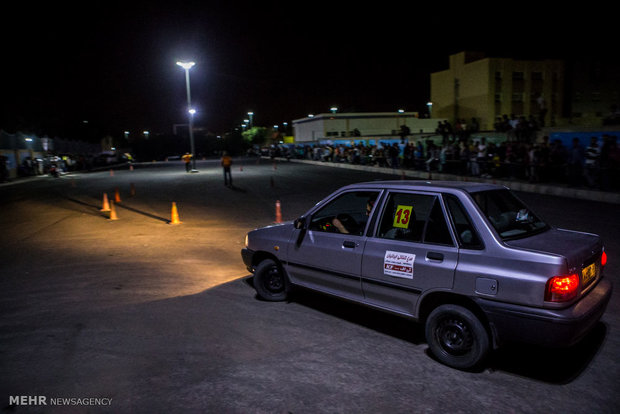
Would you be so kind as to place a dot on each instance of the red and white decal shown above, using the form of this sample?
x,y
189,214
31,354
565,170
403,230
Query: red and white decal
x,y
398,264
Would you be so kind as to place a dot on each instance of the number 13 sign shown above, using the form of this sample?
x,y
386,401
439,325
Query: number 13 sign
x,y
402,216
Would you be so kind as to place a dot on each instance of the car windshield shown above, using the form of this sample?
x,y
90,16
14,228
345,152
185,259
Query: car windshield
x,y
508,215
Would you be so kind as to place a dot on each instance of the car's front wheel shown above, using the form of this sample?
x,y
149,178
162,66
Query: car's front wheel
x,y
270,281
457,337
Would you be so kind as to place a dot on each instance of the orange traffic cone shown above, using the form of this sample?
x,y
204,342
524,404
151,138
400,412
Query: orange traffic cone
x,y
106,205
113,215
278,212
117,196
175,214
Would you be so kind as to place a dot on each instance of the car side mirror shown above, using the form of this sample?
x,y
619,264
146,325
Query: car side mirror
x,y
300,223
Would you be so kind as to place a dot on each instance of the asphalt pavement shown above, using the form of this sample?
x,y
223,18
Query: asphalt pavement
x,y
140,315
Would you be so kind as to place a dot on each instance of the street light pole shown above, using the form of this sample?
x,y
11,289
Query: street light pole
x,y
187,66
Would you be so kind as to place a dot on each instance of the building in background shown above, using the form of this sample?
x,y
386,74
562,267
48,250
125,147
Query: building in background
x,y
593,92
475,86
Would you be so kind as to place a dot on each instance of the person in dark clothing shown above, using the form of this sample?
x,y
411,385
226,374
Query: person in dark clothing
x,y
575,163
226,164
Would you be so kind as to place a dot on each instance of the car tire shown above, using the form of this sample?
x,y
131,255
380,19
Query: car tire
x,y
270,281
456,337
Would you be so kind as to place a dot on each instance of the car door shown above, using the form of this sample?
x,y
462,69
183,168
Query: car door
x,y
327,256
412,251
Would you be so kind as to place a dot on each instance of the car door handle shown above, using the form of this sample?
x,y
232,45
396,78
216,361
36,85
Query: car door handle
x,y
348,244
434,256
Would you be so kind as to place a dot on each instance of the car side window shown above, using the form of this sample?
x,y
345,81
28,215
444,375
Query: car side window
x,y
348,213
464,229
436,227
406,216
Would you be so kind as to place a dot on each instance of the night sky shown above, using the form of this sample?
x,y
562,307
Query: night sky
x,y
113,64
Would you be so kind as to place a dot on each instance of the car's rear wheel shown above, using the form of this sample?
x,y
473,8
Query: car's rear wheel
x,y
457,337
270,281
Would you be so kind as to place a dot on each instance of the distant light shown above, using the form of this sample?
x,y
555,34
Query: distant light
x,y
400,111
246,121
250,113
333,109
186,65
85,121
310,115
145,132
429,104
192,111
28,139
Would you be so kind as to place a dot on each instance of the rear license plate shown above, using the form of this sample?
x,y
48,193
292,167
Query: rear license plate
x,y
588,273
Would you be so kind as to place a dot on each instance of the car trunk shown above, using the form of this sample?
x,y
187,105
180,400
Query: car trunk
x,y
581,250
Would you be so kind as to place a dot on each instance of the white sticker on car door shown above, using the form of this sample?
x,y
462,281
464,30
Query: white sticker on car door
x,y
398,264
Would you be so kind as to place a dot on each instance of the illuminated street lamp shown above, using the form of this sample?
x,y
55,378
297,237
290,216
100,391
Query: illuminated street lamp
x,y
187,66
251,115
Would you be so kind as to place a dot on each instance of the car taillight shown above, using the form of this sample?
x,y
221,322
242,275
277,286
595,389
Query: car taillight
x,y
562,288
603,258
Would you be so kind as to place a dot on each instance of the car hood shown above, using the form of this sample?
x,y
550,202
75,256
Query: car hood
x,y
267,237
577,247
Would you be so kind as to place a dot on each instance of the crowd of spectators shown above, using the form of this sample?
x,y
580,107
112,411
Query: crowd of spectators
x,y
595,166
518,128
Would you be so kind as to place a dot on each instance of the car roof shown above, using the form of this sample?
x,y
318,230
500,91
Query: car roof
x,y
439,186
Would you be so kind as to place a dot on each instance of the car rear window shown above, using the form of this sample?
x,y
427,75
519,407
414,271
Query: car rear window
x,y
464,229
508,215
416,218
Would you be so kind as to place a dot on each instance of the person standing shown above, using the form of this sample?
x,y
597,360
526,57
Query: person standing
x,y
591,163
226,163
187,159
575,163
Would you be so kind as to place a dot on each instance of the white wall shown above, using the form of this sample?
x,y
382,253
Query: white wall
x,y
324,125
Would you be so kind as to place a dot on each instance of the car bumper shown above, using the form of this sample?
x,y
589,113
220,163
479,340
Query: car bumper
x,y
548,327
247,255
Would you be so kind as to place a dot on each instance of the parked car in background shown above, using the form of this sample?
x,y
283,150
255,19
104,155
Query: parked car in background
x,y
470,261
